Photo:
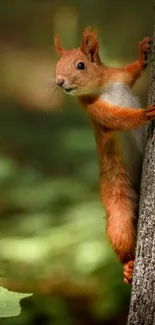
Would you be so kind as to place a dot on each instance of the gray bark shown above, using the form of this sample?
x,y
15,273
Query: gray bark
x,y
142,304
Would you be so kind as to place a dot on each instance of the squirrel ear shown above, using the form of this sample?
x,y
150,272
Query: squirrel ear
x,y
58,46
90,45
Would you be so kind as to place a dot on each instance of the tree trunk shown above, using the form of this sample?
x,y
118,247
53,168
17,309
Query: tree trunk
x,y
142,305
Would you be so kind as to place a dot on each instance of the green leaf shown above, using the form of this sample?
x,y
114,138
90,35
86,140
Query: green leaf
x,y
10,302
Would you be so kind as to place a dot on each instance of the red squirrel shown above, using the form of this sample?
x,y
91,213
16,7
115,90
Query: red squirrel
x,y
118,124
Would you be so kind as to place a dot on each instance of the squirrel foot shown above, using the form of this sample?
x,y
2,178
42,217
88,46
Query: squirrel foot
x,y
128,270
145,49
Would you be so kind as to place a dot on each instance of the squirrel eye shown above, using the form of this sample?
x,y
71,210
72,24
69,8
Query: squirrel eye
x,y
80,66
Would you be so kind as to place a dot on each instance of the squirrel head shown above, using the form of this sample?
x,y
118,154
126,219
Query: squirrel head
x,y
78,71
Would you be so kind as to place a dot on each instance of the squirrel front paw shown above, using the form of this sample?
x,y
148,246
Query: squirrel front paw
x,y
128,271
145,49
150,112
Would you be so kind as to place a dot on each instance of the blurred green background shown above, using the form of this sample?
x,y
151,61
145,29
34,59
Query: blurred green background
x,y
52,223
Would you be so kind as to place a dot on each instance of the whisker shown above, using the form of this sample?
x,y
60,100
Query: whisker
x,y
53,82
52,86
54,91
58,93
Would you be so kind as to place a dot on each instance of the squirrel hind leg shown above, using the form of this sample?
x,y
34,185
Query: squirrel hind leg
x,y
121,234
121,223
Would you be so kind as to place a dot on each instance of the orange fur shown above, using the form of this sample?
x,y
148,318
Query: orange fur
x,y
90,45
117,195
117,192
58,46
114,117
135,69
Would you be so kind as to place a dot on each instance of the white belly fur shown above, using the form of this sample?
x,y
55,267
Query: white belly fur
x,y
131,142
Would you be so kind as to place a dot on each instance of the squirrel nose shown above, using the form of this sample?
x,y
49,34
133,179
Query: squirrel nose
x,y
60,81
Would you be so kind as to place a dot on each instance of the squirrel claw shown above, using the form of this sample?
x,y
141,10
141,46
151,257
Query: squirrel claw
x,y
145,49
128,270
150,112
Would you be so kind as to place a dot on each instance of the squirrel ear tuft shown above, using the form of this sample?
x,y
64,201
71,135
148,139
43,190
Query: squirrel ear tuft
x,y
58,46
90,45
